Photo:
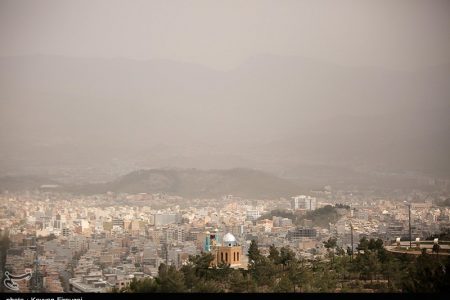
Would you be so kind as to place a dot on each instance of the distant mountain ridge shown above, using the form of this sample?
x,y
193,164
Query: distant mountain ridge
x,y
240,182
271,113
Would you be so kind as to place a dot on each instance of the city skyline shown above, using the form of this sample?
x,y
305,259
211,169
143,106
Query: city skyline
x,y
208,146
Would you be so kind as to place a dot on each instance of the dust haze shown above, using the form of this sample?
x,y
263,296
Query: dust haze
x,y
312,91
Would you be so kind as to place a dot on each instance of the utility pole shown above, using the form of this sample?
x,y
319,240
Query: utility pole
x,y
410,236
351,238
409,220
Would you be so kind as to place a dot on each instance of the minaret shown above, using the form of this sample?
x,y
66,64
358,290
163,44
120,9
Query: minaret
x,y
207,245
216,236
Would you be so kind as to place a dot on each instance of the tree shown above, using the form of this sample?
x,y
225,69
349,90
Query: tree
x,y
201,264
207,286
436,248
190,278
222,273
349,251
253,252
371,245
260,267
299,275
170,280
379,245
363,245
284,285
305,279
373,265
324,278
263,271
274,254
240,283
392,271
287,256
428,275
340,251
342,266
147,285
330,245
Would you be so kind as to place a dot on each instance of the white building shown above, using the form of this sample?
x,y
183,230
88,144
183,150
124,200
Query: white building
x,y
304,202
166,218
253,214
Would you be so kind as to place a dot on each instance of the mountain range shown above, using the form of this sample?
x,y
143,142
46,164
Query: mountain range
x,y
276,114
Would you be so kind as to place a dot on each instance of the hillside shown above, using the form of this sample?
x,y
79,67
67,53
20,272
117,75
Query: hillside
x,y
196,183
21,183
321,217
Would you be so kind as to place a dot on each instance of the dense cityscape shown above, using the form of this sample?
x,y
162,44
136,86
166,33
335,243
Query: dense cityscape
x,y
107,242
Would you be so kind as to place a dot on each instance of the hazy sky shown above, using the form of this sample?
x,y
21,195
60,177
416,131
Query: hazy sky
x,y
222,34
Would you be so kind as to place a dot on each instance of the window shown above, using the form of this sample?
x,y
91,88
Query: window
x,y
238,256
226,257
234,256
221,256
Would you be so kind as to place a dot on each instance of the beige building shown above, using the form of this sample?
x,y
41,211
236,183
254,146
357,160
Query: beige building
x,y
229,252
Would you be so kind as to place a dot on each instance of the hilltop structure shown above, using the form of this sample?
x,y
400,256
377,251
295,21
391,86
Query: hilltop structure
x,y
226,252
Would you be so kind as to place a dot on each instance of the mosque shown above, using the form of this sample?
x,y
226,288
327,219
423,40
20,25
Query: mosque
x,y
226,251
